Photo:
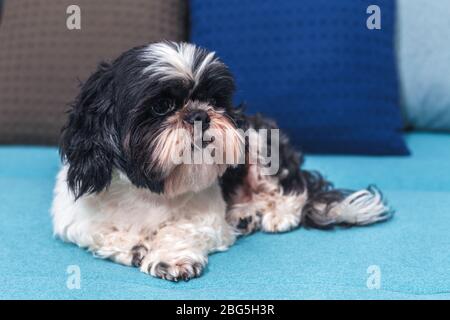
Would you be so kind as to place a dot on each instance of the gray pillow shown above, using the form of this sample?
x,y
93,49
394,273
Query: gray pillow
x,y
42,62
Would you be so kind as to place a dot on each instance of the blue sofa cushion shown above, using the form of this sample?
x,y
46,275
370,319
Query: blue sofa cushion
x,y
411,251
313,65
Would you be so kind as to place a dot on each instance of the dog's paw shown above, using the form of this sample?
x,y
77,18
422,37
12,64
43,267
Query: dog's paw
x,y
138,253
178,271
279,222
244,220
173,268
183,269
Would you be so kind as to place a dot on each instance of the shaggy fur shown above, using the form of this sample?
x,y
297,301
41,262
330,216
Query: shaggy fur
x,y
122,195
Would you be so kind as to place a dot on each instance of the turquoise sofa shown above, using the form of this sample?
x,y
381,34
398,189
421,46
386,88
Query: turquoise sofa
x,y
409,255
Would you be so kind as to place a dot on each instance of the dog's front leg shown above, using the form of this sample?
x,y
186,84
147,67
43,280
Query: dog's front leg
x,y
179,250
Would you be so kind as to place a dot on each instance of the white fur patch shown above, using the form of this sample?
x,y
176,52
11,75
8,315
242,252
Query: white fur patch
x,y
177,60
361,208
285,214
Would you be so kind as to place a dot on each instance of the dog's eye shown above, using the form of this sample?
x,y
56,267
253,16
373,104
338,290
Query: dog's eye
x,y
163,107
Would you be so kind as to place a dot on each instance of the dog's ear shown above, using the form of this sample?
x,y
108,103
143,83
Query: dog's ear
x,y
89,138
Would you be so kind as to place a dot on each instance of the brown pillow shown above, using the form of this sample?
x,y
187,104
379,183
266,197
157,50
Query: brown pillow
x,y
42,62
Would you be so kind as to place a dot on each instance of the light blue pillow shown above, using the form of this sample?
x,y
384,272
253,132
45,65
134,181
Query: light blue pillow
x,y
424,62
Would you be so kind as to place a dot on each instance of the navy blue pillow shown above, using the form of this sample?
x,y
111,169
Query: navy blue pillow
x,y
314,66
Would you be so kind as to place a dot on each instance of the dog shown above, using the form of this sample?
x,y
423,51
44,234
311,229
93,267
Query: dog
x,y
121,195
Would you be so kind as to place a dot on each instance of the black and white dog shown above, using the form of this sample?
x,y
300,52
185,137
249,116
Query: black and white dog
x,y
121,194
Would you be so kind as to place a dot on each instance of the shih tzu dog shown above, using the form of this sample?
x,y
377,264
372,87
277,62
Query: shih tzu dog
x,y
124,194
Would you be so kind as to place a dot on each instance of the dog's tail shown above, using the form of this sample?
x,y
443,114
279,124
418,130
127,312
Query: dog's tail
x,y
327,206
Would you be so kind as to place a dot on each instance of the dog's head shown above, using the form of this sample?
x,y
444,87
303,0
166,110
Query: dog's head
x,y
137,115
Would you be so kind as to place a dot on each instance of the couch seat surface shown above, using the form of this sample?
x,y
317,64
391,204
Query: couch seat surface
x,y
412,251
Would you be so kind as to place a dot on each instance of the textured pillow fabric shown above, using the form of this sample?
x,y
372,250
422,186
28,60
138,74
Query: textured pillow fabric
x,y
42,62
313,65
424,62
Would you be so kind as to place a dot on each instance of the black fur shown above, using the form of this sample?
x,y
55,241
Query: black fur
x,y
89,140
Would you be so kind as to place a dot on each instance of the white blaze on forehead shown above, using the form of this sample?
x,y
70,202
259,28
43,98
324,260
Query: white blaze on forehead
x,y
177,60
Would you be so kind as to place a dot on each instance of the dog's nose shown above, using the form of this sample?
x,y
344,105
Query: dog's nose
x,y
198,116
